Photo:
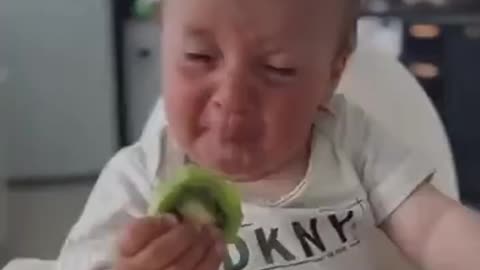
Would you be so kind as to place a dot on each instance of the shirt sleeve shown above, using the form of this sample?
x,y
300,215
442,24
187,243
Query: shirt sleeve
x,y
390,171
120,195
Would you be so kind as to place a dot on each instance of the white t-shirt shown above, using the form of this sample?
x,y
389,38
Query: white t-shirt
x,y
357,176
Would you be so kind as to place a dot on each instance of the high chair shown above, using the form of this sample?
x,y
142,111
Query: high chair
x,y
385,90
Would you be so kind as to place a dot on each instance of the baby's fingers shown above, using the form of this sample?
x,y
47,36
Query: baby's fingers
x,y
193,256
215,255
141,232
213,259
165,250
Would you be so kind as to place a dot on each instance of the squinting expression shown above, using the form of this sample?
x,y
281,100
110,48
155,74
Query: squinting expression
x,y
244,79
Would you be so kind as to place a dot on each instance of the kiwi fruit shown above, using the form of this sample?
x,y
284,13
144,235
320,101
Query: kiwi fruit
x,y
201,196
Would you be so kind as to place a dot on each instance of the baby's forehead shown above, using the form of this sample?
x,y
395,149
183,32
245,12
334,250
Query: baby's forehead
x,y
279,18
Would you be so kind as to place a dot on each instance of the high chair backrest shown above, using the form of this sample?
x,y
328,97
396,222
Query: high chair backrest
x,y
385,89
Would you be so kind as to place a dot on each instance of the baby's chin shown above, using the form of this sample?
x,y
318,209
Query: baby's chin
x,y
238,164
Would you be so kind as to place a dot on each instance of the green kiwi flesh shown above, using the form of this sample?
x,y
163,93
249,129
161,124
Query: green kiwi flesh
x,y
203,197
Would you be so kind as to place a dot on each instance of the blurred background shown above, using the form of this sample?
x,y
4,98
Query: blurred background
x,y
79,78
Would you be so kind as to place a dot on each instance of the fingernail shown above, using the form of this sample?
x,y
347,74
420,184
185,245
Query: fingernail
x,y
220,249
170,219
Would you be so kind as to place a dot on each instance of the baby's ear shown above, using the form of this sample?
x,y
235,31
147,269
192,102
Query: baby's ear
x,y
338,67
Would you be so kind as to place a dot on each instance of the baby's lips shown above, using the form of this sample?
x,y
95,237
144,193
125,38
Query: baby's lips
x,y
233,127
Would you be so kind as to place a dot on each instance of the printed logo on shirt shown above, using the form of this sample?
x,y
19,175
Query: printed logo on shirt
x,y
311,237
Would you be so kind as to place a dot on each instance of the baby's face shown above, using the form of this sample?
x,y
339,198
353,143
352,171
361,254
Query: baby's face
x,y
244,79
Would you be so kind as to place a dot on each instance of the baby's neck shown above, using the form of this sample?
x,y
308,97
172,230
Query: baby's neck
x,y
295,170
278,184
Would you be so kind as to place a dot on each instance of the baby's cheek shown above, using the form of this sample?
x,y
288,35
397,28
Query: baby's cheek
x,y
182,111
289,128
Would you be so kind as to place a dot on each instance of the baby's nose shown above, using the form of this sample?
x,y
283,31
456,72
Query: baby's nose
x,y
234,94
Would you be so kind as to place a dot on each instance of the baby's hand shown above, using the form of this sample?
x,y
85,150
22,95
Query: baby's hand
x,y
165,243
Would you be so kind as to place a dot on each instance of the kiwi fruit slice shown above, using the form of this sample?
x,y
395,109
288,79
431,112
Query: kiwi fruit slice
x,y
200,196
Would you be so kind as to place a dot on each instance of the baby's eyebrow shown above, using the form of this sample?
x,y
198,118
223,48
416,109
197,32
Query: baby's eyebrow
x,y
196,32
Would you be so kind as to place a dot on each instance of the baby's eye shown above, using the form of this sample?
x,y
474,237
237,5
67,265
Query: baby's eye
x,y
199,57
281,71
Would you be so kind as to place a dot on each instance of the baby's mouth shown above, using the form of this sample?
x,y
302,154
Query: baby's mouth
x,y
231,131
237,134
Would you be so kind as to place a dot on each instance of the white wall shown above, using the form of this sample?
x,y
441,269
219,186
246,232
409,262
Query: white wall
x,y
3,142
382,34
61,84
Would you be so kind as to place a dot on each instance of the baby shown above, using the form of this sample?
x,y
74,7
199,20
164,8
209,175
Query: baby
x,y
249,92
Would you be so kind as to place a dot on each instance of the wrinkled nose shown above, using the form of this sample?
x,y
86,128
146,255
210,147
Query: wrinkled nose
x,y
235,106
234,94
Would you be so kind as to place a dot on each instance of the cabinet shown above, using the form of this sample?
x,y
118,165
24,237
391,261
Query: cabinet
x,y
455,90
61,91
142,73
462,104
